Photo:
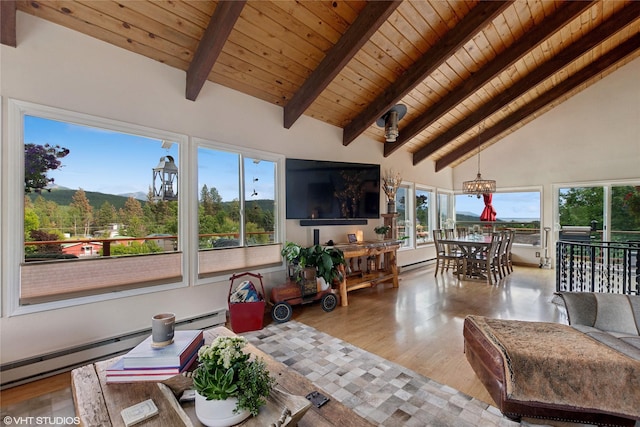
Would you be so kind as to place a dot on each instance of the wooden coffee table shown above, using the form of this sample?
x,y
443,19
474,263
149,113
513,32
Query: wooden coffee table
x,y
99,404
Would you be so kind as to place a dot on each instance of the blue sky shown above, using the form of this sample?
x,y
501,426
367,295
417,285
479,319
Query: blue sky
x,y
116,163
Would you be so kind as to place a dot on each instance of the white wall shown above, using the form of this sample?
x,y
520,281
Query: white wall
x,y
57,67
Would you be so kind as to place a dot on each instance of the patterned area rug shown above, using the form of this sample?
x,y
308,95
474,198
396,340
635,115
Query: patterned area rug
x,y
379,390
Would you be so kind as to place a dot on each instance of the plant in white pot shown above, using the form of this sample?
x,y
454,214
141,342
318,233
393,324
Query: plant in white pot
x,y
230,385
382,231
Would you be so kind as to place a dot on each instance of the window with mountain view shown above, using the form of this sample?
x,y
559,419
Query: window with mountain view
x,y
237,226
98,199
229,216
515,210
89,196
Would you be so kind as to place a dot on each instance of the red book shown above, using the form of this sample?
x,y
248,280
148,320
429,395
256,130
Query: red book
x,y
174,355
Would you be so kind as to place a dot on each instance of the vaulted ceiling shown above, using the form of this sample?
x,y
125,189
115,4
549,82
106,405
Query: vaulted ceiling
x,y
468,72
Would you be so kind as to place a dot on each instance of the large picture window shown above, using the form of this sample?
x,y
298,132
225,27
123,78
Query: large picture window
x,y
612,211
513,210
91,216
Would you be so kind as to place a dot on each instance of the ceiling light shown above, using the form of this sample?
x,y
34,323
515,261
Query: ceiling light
x,y
389,121
479,186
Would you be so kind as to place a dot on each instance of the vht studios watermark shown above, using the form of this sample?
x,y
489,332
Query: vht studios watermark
x,y
8,420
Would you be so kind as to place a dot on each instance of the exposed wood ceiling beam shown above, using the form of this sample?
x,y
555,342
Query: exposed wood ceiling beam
x,y
568,55
211,44
607,60
470,25
373,15
8,23
524,45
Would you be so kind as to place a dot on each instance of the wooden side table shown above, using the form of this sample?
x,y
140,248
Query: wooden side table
x,y
358,274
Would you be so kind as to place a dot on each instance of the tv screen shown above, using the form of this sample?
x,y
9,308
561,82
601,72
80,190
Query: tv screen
x,y
319,189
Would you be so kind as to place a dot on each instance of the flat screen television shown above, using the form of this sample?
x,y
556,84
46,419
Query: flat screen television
x,y
319,189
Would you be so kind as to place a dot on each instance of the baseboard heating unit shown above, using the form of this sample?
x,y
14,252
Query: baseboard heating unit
x,y
34,368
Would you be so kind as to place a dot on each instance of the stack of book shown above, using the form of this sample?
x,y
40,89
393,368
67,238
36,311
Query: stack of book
x,y
147,363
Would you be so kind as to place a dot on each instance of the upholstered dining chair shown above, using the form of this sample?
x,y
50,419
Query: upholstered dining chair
x,y
445,257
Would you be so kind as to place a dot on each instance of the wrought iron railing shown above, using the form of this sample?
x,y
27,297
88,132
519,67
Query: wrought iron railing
x,y
608,267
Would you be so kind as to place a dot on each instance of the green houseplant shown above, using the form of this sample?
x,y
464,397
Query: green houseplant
x,y
325,260
228,376
382,230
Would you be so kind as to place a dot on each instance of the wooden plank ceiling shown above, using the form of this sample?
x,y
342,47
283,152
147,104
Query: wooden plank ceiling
x,y
469,72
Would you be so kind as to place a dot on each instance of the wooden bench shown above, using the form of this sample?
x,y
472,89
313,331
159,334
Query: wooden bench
x,y
99,404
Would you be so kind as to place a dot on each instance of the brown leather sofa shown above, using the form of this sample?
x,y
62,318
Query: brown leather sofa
x,y
490,358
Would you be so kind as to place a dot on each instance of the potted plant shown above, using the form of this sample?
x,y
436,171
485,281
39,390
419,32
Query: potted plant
x,y
324,260
291,253
230,385
382,231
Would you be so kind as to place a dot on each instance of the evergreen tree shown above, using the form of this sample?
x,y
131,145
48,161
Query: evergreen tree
x,y
106,215
132,215
82,210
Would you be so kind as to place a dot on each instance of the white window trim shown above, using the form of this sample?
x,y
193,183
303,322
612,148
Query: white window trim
x,y
13,194
432,207
409,206
606,185
279,189
531,189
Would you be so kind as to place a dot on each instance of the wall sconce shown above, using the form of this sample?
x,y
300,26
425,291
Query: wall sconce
x,y
389,121
165,180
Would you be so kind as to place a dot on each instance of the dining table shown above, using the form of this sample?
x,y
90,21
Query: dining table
x,y
471,245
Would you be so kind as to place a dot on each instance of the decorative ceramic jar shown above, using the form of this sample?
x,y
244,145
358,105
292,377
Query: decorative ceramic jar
x,y
219,413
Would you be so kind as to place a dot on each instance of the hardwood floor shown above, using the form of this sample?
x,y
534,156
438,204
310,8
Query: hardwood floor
x,y
418,325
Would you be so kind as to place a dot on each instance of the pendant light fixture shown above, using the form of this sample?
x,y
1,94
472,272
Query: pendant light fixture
x,y
479,186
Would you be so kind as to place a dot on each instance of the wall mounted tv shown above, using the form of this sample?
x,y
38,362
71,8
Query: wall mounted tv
x,y
332,190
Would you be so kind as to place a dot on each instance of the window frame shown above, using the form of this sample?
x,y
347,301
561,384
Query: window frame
x,y
409,210
274,262
607,187
533,189
451,207
14,188
431,213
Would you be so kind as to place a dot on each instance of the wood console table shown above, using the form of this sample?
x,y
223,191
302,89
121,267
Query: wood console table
x,y
368,264
99,404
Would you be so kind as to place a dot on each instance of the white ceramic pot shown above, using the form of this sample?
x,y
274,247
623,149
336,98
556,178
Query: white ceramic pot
x,y
219,413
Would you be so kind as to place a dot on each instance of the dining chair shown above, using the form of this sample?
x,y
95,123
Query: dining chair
x,y
508,262
501,255
444,257
486,260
